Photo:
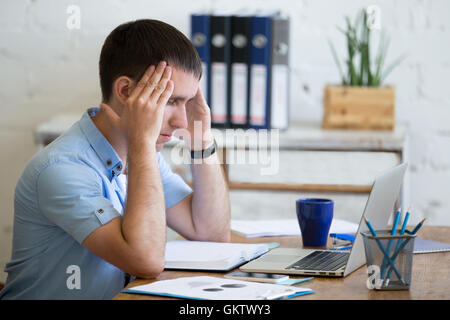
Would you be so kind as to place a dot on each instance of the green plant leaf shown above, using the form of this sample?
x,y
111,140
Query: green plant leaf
x,y
381,54
358,38
336,60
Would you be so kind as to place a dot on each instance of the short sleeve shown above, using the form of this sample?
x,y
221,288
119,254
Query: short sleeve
x,y
70,195
175,188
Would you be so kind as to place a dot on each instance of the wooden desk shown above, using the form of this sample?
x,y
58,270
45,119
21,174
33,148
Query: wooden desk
x,y
430,278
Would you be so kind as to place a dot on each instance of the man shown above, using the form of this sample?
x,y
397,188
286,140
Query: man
x,y
79,230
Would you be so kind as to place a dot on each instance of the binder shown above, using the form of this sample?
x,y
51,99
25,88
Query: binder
x,y
220,70
240,67
260,71
200,36
279,113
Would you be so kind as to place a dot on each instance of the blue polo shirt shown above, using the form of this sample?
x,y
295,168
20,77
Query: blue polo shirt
x,y
66,191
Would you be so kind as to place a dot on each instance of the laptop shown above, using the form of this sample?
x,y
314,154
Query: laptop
x,y
334,263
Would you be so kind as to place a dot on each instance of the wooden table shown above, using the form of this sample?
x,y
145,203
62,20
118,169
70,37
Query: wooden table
x,y
430,278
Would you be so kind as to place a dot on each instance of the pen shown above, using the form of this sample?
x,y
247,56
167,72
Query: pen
x,y
390,243
399,241
342,248
343,236
383,250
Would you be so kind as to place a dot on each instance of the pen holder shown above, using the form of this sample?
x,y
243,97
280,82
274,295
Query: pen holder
x,y
389,260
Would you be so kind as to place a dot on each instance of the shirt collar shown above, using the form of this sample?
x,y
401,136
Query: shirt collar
x,y
101,146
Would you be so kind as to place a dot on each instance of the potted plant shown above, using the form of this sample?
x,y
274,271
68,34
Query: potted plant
x,y
361,101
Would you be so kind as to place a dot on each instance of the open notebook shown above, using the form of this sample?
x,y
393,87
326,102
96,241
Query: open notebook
x,y
211,256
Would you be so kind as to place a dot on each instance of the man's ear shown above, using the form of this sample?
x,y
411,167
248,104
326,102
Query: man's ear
x,y
122,88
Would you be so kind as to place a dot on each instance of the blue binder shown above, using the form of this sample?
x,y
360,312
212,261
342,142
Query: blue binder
x,y
260,70
201,37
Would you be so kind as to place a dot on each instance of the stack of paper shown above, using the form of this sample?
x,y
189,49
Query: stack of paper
x,y
214,288
203,255
286,227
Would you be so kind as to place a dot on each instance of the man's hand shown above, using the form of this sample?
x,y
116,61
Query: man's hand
x,y
205,215
141,117
135,241
199,122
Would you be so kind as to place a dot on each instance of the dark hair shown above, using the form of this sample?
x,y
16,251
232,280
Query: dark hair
x,y
133,46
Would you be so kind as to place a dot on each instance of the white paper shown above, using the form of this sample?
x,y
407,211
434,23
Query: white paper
x,y
214,288
258,94
218,91
279,104
284,227
239,96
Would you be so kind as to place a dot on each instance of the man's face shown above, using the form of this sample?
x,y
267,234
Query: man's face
x,y
185,89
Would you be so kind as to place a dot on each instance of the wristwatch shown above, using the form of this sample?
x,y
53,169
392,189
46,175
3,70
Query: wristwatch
x,y
205,153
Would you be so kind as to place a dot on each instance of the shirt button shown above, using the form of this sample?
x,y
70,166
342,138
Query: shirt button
x,y
100,211
108,162
119,167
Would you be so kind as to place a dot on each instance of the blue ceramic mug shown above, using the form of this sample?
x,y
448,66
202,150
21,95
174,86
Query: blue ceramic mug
x,y
314,217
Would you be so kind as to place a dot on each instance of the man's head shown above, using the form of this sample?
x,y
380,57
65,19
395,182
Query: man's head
x,y
127,53
133,46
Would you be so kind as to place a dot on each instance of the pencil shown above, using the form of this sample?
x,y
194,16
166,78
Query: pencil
x,y
399,241
418,227
391,242
405,222
372,231
396,221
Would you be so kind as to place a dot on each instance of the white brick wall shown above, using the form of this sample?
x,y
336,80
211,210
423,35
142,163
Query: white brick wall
x,y
47,69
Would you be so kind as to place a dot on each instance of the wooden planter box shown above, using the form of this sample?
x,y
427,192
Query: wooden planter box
x,y
365,108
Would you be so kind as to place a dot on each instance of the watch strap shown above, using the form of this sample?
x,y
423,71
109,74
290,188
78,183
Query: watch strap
x,y
205,153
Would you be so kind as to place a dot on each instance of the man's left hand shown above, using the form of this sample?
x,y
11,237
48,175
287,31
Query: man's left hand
x,y
198,116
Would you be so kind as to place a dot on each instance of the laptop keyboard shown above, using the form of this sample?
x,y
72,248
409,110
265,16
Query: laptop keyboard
x,y
321,260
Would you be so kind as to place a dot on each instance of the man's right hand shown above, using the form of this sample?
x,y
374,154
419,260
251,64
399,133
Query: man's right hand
x,y
135,241
141,117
